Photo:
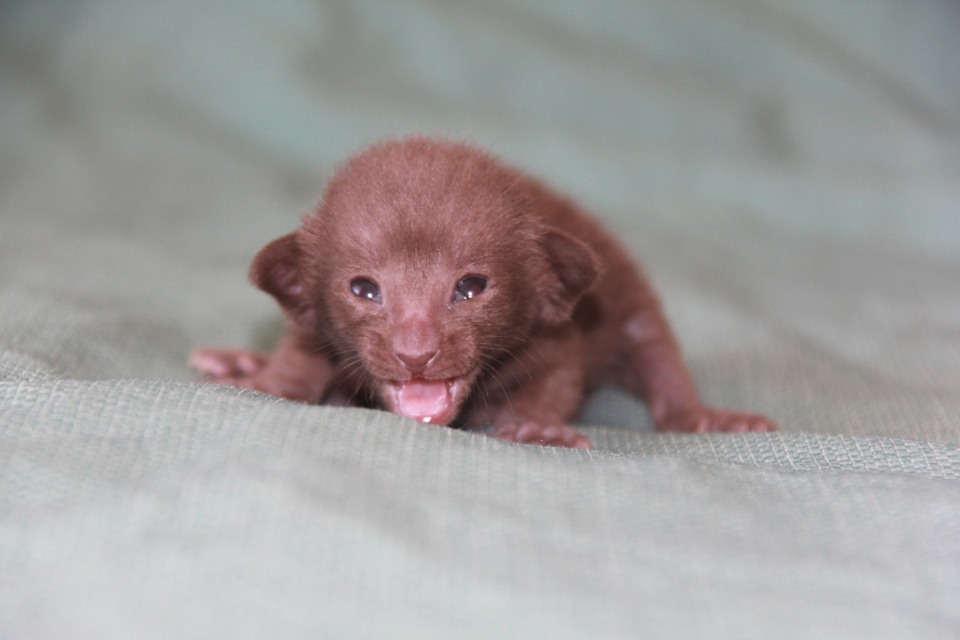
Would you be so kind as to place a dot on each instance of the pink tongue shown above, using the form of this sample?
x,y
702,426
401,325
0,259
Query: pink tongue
x,y
425,400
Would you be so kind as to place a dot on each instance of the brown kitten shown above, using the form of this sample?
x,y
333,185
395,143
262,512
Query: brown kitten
x,y
439,283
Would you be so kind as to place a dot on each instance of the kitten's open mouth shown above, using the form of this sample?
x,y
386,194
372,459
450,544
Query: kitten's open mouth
x,y
424,400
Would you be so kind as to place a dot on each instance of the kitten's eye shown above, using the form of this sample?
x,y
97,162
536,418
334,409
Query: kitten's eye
x,y
470,287
366,289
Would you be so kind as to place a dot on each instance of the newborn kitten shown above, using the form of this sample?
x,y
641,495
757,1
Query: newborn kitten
x,y
441,284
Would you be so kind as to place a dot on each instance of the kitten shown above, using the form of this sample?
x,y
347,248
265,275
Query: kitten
x,y
437,282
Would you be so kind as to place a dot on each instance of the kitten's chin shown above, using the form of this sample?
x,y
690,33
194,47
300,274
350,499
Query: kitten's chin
x,y
433,401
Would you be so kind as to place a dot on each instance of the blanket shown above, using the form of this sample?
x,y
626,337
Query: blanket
x,y
785,171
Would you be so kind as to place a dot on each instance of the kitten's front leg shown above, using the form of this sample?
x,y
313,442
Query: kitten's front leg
x,y
536,408
297,370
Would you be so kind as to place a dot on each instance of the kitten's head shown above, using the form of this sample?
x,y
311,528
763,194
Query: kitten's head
x,y
425,264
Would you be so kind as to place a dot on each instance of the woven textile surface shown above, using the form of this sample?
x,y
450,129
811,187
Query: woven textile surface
x,y
787,172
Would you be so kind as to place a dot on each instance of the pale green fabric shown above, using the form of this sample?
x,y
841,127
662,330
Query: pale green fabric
x,y
786,171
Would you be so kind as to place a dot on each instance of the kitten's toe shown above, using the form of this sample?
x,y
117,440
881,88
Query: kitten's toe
x,y
227,363
709,420
554,435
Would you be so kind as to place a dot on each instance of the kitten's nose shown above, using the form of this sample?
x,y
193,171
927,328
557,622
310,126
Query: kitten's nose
x,y
416,362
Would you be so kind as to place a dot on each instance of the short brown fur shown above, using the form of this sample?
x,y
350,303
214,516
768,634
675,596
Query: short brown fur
x,y
564,309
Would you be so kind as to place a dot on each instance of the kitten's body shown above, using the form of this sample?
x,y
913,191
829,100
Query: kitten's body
x,y
444,285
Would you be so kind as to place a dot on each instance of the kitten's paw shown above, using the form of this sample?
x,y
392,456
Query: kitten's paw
x,y
224,364
528,432
708,420
248,369
267,382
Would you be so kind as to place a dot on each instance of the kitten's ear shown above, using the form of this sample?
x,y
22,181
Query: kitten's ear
x,y
276,270
574,269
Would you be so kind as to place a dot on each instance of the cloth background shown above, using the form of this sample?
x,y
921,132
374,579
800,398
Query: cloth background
x,y
787,171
